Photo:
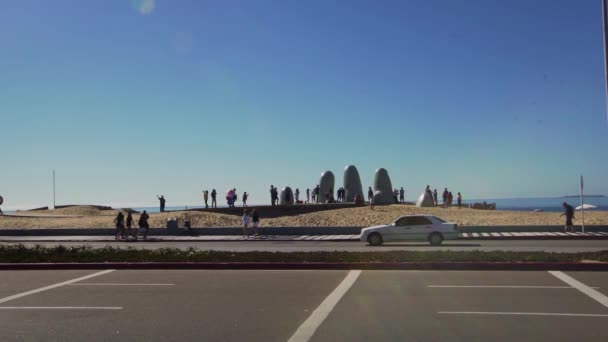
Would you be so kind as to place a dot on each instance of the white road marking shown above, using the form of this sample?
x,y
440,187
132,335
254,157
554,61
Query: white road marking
x,y
60,307
495,234
50,287
519,313
117,284
310,325
504,286
475,234
506,234
464,235
596,295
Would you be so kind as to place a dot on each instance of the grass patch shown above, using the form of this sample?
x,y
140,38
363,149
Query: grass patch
x,y
23,254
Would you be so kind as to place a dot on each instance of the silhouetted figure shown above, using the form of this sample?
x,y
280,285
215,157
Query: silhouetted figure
x,y
206,198
307,195
162,203
1,201
402,196
459,199
370,195
435,196
245,223
569,213
450,199
130,226
445,196
143,224
119,221
245,196
213,198
297,195
274,195
255,217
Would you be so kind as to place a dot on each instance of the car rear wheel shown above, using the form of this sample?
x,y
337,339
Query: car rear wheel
x,y
374,239
435,239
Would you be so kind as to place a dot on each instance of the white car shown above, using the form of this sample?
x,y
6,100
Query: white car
x,y
411,228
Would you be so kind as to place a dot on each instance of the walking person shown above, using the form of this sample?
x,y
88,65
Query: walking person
x,y
130,226
245,196
370,195
143,224
255,217
307,195
206,198
119,221
213,198
402,196
435,197
569,213
162,202
245,223
459,199
297,195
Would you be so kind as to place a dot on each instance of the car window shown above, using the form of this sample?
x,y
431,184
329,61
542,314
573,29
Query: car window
x,y
438,219
419,221
404,221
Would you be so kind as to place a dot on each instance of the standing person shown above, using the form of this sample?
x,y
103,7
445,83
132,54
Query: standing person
x,y
206,198
445,196
1,201
229,198
143,224
255,217
119,221
307,195
435,196
450,199
234,197
130,226
370,195
297,195
272,197
245,223
402,196
245,196
162,203
569,213
213,198
459,199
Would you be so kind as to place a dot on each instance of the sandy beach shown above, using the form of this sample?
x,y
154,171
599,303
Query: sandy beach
x,y
90,217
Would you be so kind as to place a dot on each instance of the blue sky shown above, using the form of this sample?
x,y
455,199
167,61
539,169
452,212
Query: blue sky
x,y
130,99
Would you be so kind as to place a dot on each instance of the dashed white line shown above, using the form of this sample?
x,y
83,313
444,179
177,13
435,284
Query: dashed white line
x,y
117,284
519,313
308,328
60,307
50,287
596,295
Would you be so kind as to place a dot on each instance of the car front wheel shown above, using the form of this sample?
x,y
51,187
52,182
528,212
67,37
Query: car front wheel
x,y
435,239
374,239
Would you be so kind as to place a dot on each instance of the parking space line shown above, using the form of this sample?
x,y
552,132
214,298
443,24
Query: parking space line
x,y
310,325
503,286
117,284
596,295
50,287
60,307
519,313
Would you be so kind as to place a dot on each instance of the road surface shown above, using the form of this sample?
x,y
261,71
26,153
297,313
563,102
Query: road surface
x,y
231,305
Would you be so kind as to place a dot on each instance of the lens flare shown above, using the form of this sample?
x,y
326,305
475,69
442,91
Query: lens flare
x,y
144,6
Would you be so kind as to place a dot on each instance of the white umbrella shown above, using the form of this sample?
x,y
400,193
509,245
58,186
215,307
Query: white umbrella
x,y
585,206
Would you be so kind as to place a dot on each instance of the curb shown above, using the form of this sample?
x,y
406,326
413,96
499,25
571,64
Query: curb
x,y
447,266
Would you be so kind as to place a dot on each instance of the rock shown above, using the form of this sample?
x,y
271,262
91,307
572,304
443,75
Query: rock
x,y
352,183
286,196
326,184
425,200
383,189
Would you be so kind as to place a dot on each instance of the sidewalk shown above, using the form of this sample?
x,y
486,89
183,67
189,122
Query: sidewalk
x,y
463,236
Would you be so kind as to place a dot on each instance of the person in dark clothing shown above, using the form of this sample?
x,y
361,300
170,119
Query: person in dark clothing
x,y
119,221
273,195
569,213
445,197
213,198
206,198
370,194
245,196
459,200
255,218
402,196
307,195
130,225
435,196
143,224
162,203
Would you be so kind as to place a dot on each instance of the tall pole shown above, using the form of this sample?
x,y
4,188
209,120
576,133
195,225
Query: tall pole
x,y
605,20
53,189
582,206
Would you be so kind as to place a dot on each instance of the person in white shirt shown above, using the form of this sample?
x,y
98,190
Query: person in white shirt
x,y
245,223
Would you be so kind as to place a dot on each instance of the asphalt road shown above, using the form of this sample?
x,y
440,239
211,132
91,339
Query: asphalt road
x,y
231,305
292,246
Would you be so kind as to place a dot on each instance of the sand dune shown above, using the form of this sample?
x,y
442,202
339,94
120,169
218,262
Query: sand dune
x,y
90,217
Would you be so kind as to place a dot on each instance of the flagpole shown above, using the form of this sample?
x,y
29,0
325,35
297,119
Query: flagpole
x,y
582,206
605,22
